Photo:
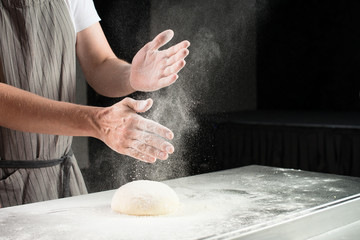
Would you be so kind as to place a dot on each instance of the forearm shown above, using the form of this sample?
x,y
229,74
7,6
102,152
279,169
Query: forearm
x,y
104,72
111,78
117,126
27,112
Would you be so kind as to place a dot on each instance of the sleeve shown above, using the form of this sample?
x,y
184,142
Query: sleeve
x,y
83,13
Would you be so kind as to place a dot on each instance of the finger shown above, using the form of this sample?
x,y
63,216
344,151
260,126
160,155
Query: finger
x,y
176,48
153,127
161,39
138,105
152,140
140,156
175,68
167,81
178,56
149,150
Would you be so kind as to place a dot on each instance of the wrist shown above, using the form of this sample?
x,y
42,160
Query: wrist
x,y
131,79
95,120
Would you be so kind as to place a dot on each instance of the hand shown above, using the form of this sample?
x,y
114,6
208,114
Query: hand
x,y
153,69
128,133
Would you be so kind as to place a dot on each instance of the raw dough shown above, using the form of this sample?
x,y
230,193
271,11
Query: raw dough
x,y
145,198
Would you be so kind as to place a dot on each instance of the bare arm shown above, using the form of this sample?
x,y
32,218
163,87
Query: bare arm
x,y
104,72
117,126
151,68
28,112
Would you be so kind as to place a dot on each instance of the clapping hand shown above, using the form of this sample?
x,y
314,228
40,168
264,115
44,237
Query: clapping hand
x,y
153,69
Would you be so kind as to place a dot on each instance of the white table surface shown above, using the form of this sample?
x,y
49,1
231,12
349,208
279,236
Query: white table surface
x,y
211,204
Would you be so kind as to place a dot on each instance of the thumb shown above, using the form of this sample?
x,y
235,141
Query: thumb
x,y
162,39
139,105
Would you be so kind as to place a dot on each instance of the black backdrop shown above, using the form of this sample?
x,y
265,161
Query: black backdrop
x,y
308,55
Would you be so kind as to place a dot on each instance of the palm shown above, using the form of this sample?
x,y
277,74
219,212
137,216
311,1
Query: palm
x,y
153,69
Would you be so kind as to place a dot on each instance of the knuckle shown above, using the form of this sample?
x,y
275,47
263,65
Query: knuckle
x,y
124,121
123,143
126,132
129,121
165,62
149,149
173,59
126,100
147,46
166,71
126,135
136,154
148,139
135,120
120,148
141,147
160,39
133,153
172,49
126,143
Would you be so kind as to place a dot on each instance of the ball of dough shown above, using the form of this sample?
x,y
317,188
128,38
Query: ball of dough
x,y
145,198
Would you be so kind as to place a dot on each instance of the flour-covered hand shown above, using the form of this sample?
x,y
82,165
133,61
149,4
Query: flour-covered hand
x,y
126,132
152,68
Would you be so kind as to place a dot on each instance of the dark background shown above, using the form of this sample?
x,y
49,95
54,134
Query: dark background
x,y
308,55
246,56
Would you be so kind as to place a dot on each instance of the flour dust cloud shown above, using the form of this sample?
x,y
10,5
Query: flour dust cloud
x,y
219,76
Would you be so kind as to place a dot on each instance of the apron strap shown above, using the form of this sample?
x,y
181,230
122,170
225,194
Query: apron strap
x,y
30,163
67,164
65,161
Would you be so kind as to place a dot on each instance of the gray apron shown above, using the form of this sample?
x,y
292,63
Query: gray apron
x,y
37,54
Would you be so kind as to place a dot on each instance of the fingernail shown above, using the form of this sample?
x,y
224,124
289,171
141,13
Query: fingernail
x,y
142,104
169,149
169,135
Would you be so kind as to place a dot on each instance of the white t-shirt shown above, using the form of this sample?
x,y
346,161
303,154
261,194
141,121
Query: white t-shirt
x,y
83,13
